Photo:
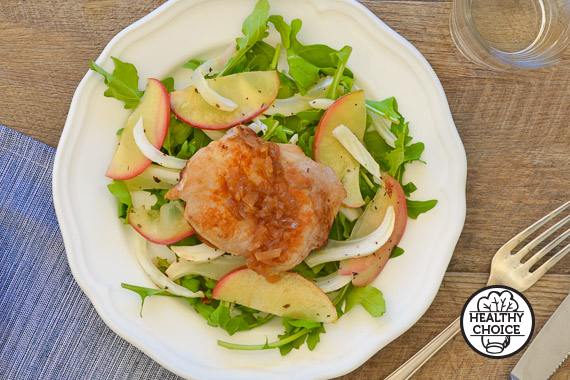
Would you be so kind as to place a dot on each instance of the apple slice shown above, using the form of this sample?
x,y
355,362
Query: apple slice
x,y
128,161
365,269
349,110
292,296
154,177
253,92
164,226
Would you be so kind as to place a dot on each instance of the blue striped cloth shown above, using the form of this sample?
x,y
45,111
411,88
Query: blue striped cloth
x,y
48,327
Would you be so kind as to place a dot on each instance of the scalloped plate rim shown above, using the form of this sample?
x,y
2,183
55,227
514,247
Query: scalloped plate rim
x,y
74,246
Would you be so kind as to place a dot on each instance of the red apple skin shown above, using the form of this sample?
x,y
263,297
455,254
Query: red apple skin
x,y
365,269
291,296
128,161
164,240
145,222
349,110
253,91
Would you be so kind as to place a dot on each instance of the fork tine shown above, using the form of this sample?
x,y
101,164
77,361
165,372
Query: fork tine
x,y
534,276
536,241
511,244
540,254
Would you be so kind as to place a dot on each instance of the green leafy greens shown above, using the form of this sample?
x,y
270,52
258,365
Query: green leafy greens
x,y
232,318
123,83
307,64
254,30
392,160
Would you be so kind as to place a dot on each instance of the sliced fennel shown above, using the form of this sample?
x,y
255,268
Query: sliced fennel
x,y
382,126
350,213
210,67
151,152
340,250
298,103
332,282
200,252
321,104
353,145
293,140
214,269
214,134
258,126
159,279
376,111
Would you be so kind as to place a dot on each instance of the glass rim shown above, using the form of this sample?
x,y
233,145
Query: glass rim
x,y
475,48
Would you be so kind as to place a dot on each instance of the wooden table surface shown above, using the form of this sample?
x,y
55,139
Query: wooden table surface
x,y
515,128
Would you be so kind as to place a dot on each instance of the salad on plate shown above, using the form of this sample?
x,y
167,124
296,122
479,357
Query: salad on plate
x,y
270,186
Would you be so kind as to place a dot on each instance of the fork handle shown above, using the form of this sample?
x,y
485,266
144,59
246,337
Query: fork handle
x,y
406,370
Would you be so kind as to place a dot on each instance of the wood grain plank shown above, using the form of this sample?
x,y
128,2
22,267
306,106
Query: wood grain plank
x,y
514,127
46,51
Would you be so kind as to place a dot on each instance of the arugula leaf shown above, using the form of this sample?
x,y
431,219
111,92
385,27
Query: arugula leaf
x,y
254,30
294,326
341,228
378,148
191,240
275,59
254,25
193,64
340,58
304,270
396,252
160,199
168,84
162,264
283,28
182,140
320,270
415,208
314,336
387,108
221,318
296,331
287,87
340,299
146,292
262,49
119,189
369,297
307,62
305,73
123,83
275,131
192,283
392,160
368,188
409,188
217,313
305,142
186,151
177,133
199,139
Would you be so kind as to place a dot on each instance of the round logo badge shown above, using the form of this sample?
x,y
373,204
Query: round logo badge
x,y
497,322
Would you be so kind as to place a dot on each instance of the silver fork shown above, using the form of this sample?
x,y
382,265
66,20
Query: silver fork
x,y
506,269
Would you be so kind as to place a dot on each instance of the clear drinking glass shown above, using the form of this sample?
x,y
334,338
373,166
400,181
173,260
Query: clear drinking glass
x,y
510,34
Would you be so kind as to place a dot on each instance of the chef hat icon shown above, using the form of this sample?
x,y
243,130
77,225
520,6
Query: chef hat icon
x,y
497,302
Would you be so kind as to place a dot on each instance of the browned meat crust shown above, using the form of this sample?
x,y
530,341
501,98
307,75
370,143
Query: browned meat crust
x,y
265,201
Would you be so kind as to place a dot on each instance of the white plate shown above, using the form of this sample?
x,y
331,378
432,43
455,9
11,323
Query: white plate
x,y
99,247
